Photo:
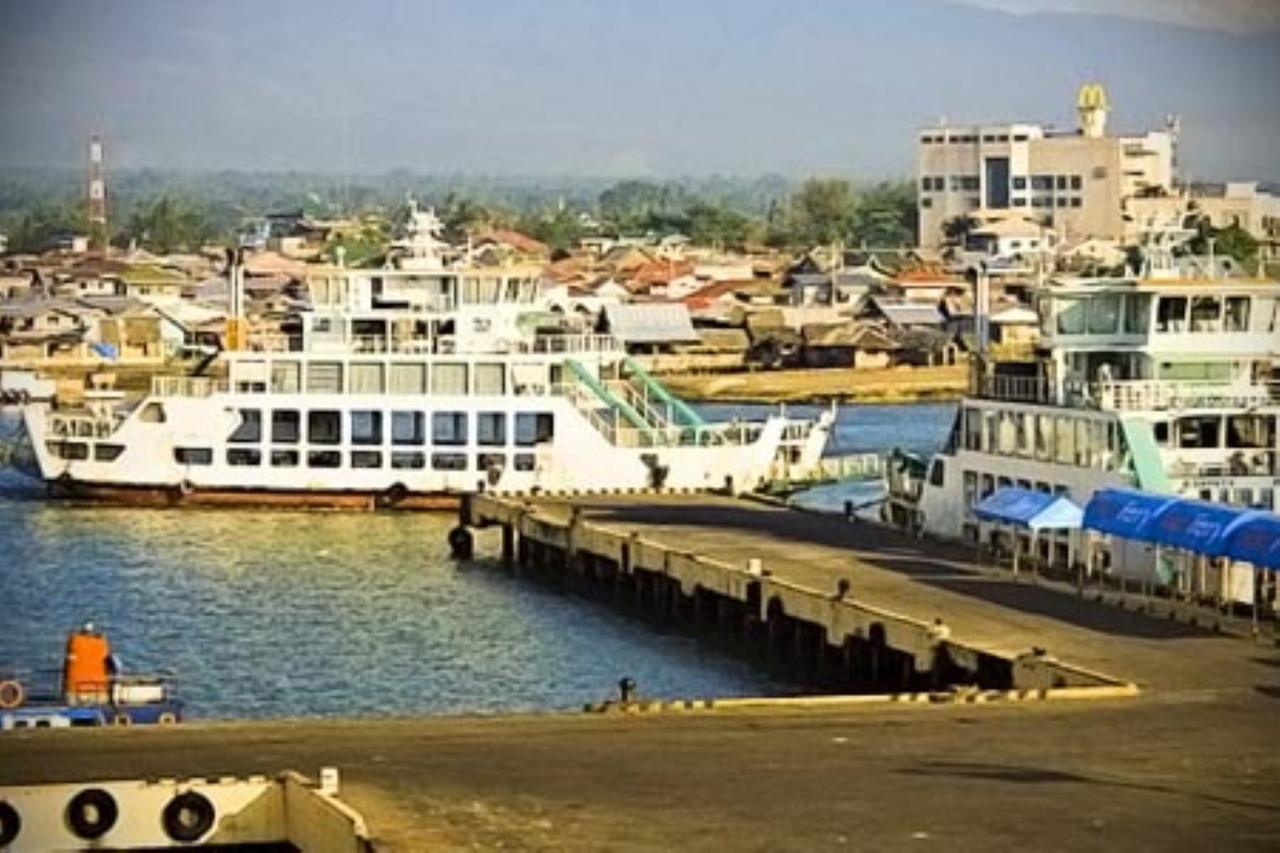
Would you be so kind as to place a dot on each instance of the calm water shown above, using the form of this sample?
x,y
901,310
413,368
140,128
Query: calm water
x,y
282,614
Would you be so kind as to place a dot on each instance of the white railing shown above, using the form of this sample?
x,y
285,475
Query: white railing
x,y
80,425
454,344
1017,389
186,386
1238,463
1152,394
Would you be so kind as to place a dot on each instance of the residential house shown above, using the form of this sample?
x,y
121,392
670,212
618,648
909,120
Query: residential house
x,y
859,345
648,326
898,316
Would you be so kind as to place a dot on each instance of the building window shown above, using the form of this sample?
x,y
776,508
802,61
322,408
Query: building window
x,y
408,428
1004,137
1062,201
491,429
1075,201
249,430
284,458
1042,182
1076,182
534,428
449,428
286,426
1019,201
988,137
1019,137
525,462
1062,182
366,427
926,202
244,456
193,455
1019,182
107,452
324,427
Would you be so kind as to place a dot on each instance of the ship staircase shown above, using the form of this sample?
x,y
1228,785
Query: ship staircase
x,y
634,409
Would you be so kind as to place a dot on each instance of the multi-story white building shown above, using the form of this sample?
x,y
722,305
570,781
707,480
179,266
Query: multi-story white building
x,y
1076,182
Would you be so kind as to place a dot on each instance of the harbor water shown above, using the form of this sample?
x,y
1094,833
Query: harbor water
x,y
275,614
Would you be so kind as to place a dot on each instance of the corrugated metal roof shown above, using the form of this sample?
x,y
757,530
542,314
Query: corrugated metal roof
x,y
909,313
650,322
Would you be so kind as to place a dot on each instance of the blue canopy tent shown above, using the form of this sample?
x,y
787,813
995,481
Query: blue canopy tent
x,y
1254,538
1029,510
1193,527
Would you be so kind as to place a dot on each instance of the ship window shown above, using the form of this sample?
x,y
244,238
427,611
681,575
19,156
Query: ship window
x,y
490,379
1236,316
193,455
366,459
408,428
366,427
1161,432
1199,431
1003,482
284,458
490,461
68,449
107,452
1205,313
449,461
324,427
409,460
988,486
1104,314
284,377
970,488
1025,485
972,429
534,428
1023,424
152,413
324,377
286,426
1071,316
491,429
408,379
366,379
244,456
1136,308
449,379
525,461
1171,314
449,428
324,459
1249,431
937,474
249,430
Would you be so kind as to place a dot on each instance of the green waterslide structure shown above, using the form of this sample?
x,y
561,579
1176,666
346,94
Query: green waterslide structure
x,y
1141,439
683,412
619,406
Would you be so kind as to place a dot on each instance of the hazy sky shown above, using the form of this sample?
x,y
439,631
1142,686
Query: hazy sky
x,y
657,87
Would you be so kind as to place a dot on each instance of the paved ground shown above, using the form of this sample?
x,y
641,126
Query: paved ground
x,y
1190,765
1128,775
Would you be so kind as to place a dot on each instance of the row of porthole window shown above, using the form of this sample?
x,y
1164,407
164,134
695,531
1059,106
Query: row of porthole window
x,y
364,459
407,428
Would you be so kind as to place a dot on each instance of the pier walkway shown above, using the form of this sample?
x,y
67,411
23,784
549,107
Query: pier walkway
x,y
917,581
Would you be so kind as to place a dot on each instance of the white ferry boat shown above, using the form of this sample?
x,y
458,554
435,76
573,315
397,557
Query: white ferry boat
x,y
408,386
1164,381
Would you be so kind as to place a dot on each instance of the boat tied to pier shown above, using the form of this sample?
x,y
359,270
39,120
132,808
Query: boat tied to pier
x,y
1165,379
407,386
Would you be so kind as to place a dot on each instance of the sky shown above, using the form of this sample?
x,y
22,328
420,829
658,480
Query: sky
x,y
612,88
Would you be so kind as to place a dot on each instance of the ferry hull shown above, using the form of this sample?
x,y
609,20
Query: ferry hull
x,y
160,496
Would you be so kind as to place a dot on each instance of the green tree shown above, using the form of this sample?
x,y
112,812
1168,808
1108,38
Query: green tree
x,y
958,228
632,205
40,224
1232,240
822,212
886,215
558,228
711,224
168,224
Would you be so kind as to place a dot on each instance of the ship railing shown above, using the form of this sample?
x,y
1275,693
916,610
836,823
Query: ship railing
x,y
186,386
1238,463
1017,389
1152,394
568,344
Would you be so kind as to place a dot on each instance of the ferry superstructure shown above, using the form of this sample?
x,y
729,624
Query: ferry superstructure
x,y
1163,380
408,386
